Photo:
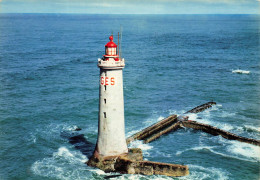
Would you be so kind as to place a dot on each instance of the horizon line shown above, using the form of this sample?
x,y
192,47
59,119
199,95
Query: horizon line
x,y
126,13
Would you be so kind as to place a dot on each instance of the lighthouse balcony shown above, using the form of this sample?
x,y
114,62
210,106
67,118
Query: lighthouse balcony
x,y
111,64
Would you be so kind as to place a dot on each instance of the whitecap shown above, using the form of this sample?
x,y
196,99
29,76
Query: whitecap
x,y
245,150
252,128
144,177
240,71
97,171
31,138
62,151
178,113
199,172
70,128
192,116
225,126
145,147
218,105
206,119
160,118
141,145
195,149
63,164
227,114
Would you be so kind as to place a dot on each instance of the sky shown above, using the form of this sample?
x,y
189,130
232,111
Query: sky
x,y
132,6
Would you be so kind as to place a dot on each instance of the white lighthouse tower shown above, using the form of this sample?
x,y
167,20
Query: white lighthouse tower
x,y
111,131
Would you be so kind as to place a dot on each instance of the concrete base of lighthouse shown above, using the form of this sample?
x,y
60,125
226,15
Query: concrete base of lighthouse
x,y
133,163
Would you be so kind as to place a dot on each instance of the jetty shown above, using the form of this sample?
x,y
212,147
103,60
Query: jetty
x,y
174,122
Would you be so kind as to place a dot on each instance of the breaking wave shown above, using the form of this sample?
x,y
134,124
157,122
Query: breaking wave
x,y
208,148
64,164
145,147
199,172
251,128
248,151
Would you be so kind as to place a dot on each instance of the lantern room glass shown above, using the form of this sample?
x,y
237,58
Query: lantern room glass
x,y
110,51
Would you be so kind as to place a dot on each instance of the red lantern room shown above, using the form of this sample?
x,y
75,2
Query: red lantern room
x,y
111,48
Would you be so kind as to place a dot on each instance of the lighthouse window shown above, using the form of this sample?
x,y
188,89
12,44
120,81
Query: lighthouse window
x,y
105,101
105,87
111,51
105,115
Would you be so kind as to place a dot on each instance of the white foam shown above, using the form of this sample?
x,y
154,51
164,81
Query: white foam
x,y
138,176
62,151
31,138
205,117
63,164
247,150
253,128
227,114
211,149
194,149
199,172
145,147
225,126
97,171
218,105
141,145
192,116
160,118
240,71
172,112
70,127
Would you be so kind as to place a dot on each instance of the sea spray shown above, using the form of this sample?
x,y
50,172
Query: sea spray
x,y
64,164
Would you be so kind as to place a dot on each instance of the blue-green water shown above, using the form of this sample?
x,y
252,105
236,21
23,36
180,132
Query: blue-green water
x,y
49,85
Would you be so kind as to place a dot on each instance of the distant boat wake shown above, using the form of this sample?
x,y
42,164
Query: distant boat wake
x,y
240,71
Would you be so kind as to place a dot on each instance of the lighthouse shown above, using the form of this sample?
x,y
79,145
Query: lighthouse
x,y
111,131
111,153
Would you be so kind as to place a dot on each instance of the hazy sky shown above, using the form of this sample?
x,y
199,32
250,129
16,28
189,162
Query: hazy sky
x,y
132,6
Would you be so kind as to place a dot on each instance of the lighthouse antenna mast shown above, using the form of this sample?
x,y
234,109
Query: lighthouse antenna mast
x,y
120,47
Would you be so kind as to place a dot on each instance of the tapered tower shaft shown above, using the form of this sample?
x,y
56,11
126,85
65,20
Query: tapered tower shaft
x,y
111,131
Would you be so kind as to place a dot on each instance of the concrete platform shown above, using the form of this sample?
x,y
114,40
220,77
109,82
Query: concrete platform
x,y
132,163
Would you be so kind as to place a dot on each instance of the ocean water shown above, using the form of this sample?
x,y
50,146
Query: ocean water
x,y
49,86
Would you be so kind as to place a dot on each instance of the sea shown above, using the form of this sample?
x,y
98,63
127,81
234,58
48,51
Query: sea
x,y
49,86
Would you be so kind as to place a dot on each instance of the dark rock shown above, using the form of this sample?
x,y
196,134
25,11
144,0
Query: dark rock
x,y
77,129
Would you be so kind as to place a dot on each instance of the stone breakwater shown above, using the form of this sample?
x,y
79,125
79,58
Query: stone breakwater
x,y
172,123
202,107
175,122
215,132
154,130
